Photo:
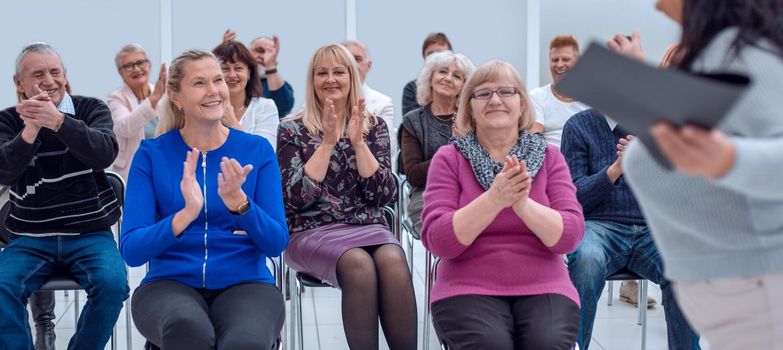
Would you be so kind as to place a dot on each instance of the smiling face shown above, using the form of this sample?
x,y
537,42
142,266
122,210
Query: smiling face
x,y
331,80
45,70
447,81
496,113
236,75
139,73
203,92
561,60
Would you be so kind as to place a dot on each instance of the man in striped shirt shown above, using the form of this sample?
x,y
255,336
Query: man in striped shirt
x,y
53,149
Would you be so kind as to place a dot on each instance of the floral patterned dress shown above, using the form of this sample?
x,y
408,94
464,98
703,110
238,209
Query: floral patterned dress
x,y
341,212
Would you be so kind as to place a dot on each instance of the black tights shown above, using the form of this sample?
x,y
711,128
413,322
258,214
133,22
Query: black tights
x,y
375,282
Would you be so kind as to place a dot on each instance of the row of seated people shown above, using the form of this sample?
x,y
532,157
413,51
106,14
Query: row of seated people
x,y
495,195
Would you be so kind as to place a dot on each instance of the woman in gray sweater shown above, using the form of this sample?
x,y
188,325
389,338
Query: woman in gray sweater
x,y
718,217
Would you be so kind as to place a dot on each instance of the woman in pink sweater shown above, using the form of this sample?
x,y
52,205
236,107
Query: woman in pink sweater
x,y
500,210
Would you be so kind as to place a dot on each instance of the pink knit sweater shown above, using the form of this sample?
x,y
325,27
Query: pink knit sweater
x,y
507,258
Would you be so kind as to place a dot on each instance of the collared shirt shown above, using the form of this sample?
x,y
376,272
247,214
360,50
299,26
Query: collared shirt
x,y
66,105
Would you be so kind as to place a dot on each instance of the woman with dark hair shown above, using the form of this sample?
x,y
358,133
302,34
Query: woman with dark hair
x,y
717,218
256,114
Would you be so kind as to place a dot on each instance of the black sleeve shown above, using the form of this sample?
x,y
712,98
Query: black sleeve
x,y
89,135
409,102
15,154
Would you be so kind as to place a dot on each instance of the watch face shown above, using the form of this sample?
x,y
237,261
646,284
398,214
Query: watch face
x,y
243,208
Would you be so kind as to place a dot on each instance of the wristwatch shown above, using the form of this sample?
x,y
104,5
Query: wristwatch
x,y
241,209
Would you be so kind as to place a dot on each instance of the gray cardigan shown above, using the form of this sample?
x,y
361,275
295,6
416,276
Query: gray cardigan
x,y
733,226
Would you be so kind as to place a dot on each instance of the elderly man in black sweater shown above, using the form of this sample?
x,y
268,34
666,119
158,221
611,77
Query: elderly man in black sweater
x,y
53,149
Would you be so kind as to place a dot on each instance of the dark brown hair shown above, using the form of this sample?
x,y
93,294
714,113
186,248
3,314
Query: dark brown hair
x,y
702,20
233,52
435,38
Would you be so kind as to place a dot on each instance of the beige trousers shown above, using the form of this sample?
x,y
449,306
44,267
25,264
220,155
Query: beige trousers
x,y
736,313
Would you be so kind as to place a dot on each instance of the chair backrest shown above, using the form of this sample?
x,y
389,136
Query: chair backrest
x,y
5,235
118,184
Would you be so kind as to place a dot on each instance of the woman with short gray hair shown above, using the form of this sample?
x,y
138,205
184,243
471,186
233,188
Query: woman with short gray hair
x,y
133,105
427,128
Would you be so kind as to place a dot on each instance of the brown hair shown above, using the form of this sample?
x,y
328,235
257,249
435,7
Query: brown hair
x,y
493,70
435,38
233,52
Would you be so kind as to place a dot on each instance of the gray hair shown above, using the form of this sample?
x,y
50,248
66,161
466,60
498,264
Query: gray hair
x,y
434,62
358,43
128,49
261,37
36,46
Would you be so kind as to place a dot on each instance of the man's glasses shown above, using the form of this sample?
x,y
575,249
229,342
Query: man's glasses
x,y
486,94
128,67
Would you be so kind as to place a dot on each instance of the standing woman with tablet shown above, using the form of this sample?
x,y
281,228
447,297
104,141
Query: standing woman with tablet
x,y
717,217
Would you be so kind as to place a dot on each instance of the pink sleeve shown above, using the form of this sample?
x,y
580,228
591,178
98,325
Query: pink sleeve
x,y
562,197
441,201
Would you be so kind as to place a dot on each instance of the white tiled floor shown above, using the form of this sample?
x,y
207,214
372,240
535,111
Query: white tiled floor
x,y
615,326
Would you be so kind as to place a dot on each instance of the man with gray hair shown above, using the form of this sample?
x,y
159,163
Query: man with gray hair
x,y
375,102
53,149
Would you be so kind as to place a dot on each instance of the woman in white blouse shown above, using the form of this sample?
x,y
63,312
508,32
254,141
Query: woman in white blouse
x,y
133,105
256,114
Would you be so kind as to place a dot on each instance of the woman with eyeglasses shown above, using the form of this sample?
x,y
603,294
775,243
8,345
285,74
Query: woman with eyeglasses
x,y
426,128
500,211
133,105
256,114
336,170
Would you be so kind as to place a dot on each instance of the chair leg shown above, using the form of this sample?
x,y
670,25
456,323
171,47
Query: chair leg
x,y
429,281
609,294
76,307
409,254
299,318
128,325
644,313
641,298
114,337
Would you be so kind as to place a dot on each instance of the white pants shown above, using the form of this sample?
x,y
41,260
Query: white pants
x,y
736,313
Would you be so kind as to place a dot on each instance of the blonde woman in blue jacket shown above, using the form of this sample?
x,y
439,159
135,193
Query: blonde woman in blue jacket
x,y
204,209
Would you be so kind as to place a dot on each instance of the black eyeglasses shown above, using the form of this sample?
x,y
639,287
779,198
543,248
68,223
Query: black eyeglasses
x,y
128,67
486,94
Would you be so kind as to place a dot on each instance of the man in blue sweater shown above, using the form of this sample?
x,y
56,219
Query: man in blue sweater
x,y
53,149
616,235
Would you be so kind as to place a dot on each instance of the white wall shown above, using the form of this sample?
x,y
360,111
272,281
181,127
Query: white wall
x,y
600,20
89,32
395,30
86,33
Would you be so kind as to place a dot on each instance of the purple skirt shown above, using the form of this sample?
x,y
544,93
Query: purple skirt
x,y
316,251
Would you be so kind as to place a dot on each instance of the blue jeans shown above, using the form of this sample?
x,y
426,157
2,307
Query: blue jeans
x,y
606,248
92,259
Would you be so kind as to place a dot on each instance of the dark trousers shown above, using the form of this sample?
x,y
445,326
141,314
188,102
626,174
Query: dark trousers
x,y
172,315
547,321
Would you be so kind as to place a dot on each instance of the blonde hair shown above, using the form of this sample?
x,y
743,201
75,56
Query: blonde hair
x,y
313,109
170,116
437,61
491,71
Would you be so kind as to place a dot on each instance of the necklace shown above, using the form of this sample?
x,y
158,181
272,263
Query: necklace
x,y
446,118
